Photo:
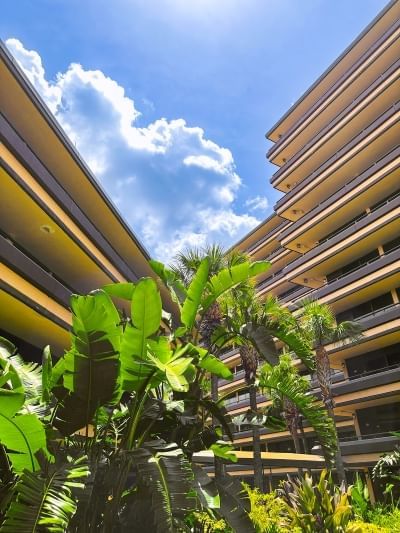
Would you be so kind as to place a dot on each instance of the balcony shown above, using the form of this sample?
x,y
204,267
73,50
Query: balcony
x,y
360,74
370,228
380,137
354,118
376,181
269,237
379,266
18,260
370,380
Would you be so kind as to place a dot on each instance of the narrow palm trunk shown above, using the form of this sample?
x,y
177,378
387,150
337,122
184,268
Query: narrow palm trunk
x,y
219,467
258,468
291,415
324,382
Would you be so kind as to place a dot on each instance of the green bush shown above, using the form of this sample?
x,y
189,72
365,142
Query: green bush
x,y
204,522
267,511
316,508
364,527
385,517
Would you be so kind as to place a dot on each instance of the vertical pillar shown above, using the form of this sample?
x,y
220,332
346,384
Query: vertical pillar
x,y
370,487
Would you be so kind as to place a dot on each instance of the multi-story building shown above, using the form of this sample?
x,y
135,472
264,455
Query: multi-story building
x,y
59,233
335,236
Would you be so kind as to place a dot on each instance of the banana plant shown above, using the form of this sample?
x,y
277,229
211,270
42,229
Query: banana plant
x,y
81,435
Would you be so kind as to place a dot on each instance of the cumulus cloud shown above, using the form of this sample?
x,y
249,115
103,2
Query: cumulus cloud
x,y
176,187
257,203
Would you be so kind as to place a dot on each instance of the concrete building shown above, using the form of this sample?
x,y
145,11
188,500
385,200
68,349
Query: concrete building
x,y
59,233
335,236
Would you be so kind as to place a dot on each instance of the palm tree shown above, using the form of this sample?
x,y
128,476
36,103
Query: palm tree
x,y
185,266
319,325
255,325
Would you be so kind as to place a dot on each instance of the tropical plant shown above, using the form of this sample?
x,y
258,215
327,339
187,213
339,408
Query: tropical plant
x,y
319,326
253,326
360,499
316,508
388,465
267,511
108,435
291,412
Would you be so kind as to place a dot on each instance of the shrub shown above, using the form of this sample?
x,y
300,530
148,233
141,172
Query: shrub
x,y
267,511
319,508
204,522
386,517
364,527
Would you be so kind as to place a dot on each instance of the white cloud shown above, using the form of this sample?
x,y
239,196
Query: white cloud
x,y
174,186
257,203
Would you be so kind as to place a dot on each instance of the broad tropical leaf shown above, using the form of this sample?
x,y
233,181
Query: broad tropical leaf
x,y
194,294
164,490
91,374
312,409
47,371
228,278
12,394
45,502
120,290
23,436
224,450
206,488
214,366
171,280
235,504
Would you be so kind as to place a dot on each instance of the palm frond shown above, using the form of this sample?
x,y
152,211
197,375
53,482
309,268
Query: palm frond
x,y
45,502
288,386
164,487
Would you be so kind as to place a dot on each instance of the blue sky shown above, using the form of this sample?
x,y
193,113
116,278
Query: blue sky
x,y
169,100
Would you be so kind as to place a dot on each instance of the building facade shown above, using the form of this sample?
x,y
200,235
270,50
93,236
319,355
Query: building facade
x,y
59,233
335,236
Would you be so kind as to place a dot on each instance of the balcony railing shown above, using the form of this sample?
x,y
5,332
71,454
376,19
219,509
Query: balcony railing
x,y
360,217
268,235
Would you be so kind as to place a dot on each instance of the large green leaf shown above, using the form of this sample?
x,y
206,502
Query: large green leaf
x,y
228,278
92,367
12,394
171,280
313,410
235,505
215,366
23,436
194,294
44,503
47,372
206,488
146,310
164,490
120,290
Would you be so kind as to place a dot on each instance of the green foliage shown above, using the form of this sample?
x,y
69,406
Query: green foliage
x,y
44,501
358,526
166,468
267,511
360,498
91,366
385,517
288,386
204,522
316,508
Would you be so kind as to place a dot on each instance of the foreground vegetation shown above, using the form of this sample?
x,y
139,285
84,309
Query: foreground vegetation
x,y
102,439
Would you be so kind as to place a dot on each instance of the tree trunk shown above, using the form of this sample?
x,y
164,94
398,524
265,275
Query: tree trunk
x,y
258,467
324,381
219,467
292,415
